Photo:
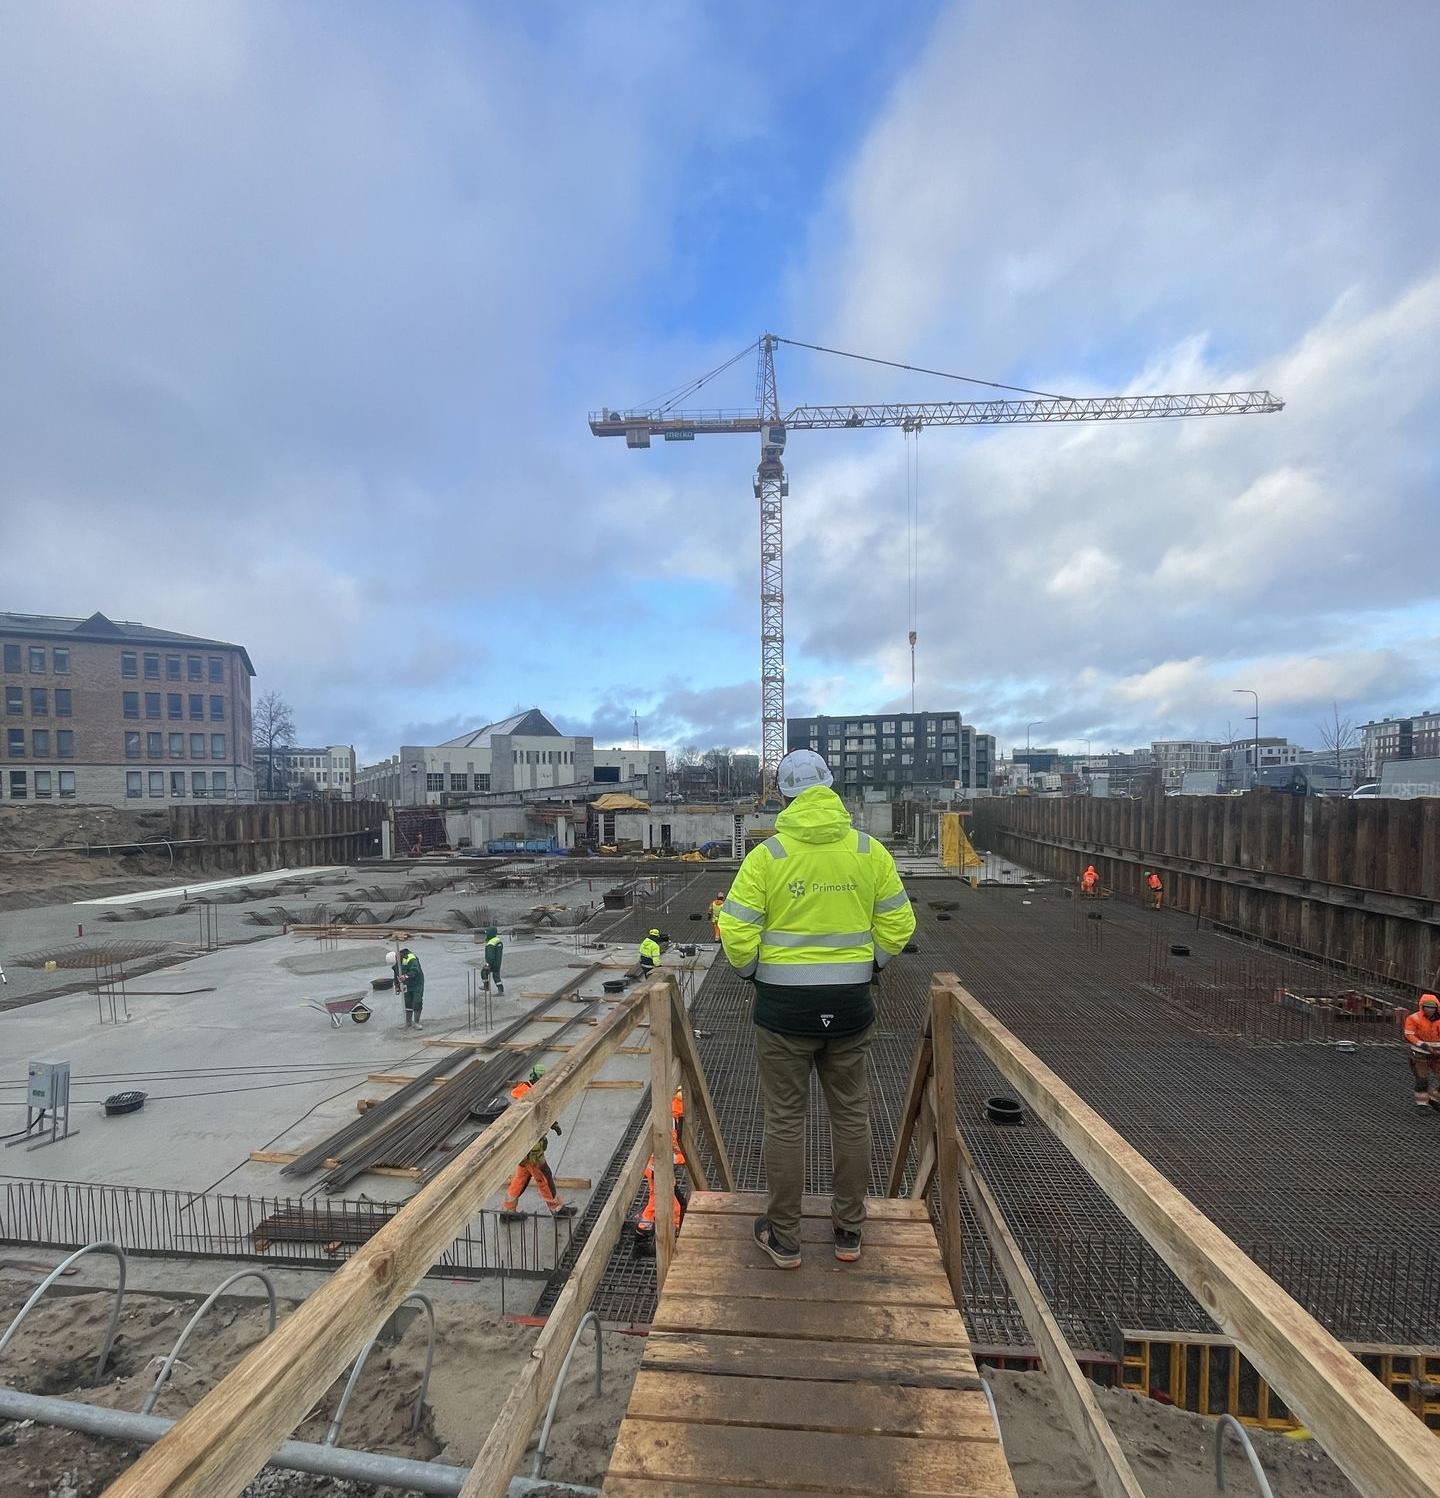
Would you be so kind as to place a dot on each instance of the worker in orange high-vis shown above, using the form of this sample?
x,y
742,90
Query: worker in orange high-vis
x,y
1154,890
1422,1037
534,1169
1090,881
715,905
645,1223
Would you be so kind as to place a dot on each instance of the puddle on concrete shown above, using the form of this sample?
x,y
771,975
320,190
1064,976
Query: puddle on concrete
x,y
348,959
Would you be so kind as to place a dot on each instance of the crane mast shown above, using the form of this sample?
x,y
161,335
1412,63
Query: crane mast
x,y
771,485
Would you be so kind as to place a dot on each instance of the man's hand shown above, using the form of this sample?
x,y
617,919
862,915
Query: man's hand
x,y
555,1128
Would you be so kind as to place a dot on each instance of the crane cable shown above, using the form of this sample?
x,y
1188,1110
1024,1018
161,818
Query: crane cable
x,y
912,553
941,374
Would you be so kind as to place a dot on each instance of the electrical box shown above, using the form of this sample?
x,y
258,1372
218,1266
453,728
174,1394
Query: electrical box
x,y
48,1086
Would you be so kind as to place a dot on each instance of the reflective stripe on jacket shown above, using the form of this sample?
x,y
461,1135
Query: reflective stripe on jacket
x,y
816,904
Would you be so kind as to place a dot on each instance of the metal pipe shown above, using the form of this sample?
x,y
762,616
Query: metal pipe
x,y
1261,1481
333,1433
194,1321
292,1456
118,1253
593,1318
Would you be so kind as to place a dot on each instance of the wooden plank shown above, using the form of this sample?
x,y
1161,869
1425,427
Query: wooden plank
x,y
801,1404
662,1155
823,1362
910,1260
505,1445
752,1204
581,1183
947,1161
928,1326
615,1084
822,1279
886,1466
1374,1439
736,1230
224,1440
698,1101
645,1487
905,1126
274,1157
1073,1392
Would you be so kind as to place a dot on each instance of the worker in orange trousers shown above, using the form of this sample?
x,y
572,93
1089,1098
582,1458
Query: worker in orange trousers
x,y
715,905
1422,1036
1090,881
1154,890
534,1169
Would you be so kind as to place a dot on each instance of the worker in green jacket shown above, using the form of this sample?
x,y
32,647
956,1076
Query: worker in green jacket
x,y
494,953
814,913
412,987
650,951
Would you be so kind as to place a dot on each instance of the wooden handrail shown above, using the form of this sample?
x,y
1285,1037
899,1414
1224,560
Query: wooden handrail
x,y
224,1441
1369,1434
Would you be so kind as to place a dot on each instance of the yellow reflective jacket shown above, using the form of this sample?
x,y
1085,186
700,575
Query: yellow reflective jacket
x,y
817,904
650,948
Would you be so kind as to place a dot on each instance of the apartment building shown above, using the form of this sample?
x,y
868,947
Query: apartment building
x,y
1417,737
893,753
114,713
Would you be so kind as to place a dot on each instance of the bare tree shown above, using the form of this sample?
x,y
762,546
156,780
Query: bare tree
x,y
274,729
1337,734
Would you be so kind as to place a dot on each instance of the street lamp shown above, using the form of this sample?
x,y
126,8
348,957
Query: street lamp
x,y
1256,715
1038,723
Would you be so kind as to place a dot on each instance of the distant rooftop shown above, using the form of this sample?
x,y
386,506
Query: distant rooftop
x,y
532,723
98,627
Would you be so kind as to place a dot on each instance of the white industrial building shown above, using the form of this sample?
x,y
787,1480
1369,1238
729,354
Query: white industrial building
x,y
525,752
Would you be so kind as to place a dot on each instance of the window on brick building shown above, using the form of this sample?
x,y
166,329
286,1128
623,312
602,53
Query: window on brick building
x,y
42,785
459,782
131,704
217,709
155,746
37,660
217,746
62,702
152,704
40,742
217,669
197,783
134,783
12,658
177,746
60,661
129,663
39,702
132,746
197,745
152,667
218,783
174,704
434,782
67,785
194,668
172,668
19,785
197,707
65,743
15,743
15,701
177,782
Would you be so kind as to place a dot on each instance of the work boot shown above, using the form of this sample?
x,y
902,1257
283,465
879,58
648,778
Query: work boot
x,y
566,1211
510,1215
418,1025
1422,1099
782,1255
847,1244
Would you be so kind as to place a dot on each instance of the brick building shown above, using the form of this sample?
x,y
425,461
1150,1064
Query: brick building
x,y
116,713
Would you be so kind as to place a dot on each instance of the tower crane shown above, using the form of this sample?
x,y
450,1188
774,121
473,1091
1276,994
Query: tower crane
x,y
771,485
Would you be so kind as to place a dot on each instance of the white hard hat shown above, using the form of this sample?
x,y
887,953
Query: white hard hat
x,y
390,958
799,770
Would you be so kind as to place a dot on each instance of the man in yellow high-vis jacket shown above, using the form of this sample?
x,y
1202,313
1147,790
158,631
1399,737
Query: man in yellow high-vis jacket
x,y
814,913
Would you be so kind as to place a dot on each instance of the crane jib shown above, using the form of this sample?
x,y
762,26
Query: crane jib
x,y
680,426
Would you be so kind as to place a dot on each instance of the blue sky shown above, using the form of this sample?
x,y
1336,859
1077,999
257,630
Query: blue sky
x,y
303,308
